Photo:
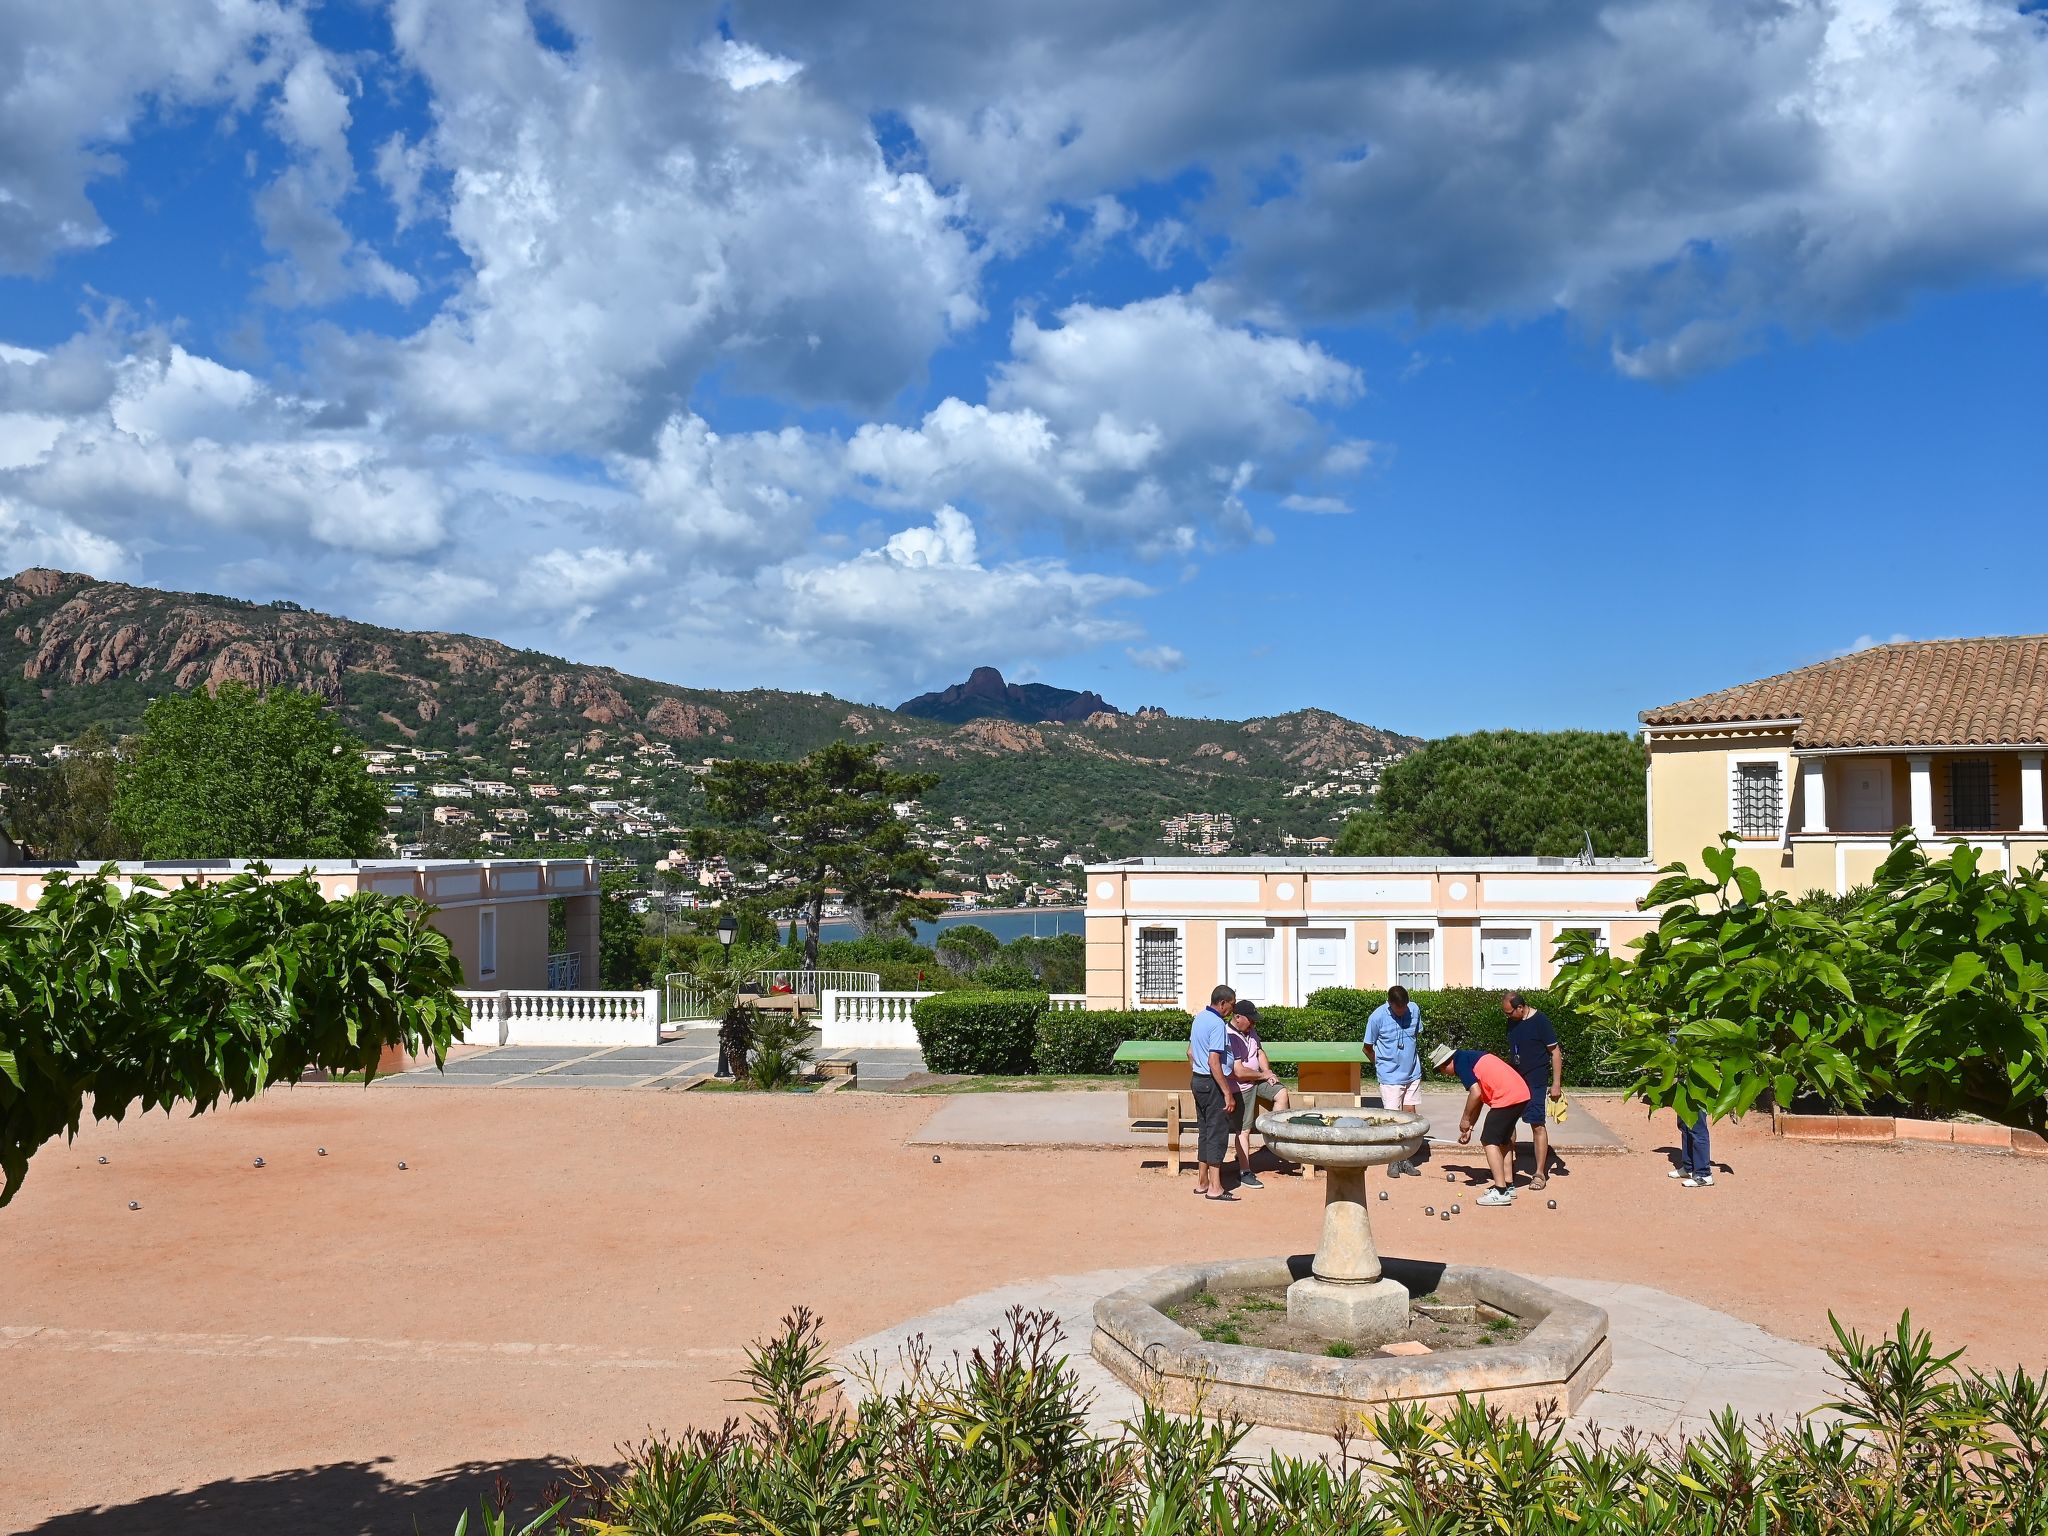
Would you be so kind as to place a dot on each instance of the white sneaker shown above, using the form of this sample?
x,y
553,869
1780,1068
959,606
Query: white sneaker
x,y
1495,1197
1704,1182
1676,1173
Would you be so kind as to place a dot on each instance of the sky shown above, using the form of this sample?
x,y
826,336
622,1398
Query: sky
x,y
1451,368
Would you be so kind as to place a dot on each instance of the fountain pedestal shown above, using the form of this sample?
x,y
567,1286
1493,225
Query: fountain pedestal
x,y
1345,1296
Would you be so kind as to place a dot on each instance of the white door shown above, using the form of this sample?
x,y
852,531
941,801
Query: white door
x,y
1248,965
1319,962
1866,795
1506,958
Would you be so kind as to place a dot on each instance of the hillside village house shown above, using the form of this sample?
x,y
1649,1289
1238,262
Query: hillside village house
x,y
1812,770
494,911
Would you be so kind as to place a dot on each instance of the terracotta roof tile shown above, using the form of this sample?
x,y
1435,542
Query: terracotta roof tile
x,y
1919,693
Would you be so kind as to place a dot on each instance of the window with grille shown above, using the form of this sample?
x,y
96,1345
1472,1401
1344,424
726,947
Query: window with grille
x,y
1158,965
1759,799
1971,805
1412,948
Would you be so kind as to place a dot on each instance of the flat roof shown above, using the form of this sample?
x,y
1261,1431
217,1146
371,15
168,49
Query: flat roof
x,y
1518,865
216,866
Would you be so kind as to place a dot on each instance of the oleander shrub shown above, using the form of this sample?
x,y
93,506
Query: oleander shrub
x,y
1085,1039
977,1032
999,1444
1469,1018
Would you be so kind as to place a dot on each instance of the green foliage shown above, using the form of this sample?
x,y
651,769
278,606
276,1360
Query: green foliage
x,y
966,946
621,964
824,824
1005,975
63,811
1060,961
203,993
999,1444
1470,1018
1495,793
241,774
779,1048
1311,1023
978,1032
1084,1040
1930,987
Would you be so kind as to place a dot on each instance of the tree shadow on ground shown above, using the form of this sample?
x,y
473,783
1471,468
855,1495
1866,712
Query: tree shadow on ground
x,y
349,1498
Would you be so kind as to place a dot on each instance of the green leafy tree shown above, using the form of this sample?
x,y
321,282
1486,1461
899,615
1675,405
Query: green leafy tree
x,y
822,825
1928,987
967,946
64,810
203,993
241,774
1496,793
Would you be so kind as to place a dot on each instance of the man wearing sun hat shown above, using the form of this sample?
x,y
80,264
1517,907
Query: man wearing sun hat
x,y
1498,1089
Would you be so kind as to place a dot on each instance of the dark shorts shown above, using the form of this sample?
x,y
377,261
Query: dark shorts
x,y
1533,1112
1212,1121
1498,1129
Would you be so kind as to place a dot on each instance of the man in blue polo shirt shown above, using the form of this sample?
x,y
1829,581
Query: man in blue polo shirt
x,y
1215,1093
1394,1036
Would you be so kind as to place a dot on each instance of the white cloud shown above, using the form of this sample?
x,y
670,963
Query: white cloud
x,y
916,599
626,230
1157,658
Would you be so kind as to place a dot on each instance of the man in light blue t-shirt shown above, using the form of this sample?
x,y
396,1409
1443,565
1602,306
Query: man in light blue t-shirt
x,y
1394,1036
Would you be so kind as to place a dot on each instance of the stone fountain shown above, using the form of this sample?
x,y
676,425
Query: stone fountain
x,y
1347,1292
1347,1295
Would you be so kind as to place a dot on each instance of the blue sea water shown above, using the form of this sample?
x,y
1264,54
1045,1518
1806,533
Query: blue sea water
x,y
1045,922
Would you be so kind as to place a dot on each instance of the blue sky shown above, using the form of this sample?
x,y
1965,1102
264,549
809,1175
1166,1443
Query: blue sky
x,y
1446,372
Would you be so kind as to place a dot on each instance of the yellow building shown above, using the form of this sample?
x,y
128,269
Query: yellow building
x,y
1815,769
1812,769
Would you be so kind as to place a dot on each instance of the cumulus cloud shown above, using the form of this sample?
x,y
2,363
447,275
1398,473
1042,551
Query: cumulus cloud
x,y
1680,175
1141,425
628,226
910,602
1157,658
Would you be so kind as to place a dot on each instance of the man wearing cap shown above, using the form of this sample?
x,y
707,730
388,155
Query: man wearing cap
x,y
1498,1089
1215,1095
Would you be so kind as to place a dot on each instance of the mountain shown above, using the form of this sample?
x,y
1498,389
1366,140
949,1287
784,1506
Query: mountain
x,y
985,696
77,652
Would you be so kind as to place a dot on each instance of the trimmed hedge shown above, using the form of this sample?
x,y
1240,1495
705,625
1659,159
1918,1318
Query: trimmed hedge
x,y
1469,1018
978,1032
1082,1040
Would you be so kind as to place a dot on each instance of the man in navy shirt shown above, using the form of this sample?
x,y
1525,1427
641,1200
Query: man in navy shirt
x,y
1215,1093
1532,1045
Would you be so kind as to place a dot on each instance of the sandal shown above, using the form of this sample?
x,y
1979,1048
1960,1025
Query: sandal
x,y
1231,1198
1541,1181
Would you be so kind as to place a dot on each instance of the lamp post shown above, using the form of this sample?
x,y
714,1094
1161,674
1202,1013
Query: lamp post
x,y
728,928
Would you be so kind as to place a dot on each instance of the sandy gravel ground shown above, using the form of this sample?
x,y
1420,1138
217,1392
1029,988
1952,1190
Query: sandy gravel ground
x,y
328,1344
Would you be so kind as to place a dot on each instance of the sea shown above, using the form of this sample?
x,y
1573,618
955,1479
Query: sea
x,y
1043,922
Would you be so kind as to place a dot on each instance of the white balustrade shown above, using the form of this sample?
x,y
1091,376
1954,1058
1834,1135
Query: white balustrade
x,y
881,1020
562,1018
687,998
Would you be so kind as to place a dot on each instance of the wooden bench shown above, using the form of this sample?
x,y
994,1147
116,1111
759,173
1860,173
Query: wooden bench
x,y
1328,1075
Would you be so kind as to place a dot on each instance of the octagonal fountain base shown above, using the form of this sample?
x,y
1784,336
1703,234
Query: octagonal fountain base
x,y
1564,1354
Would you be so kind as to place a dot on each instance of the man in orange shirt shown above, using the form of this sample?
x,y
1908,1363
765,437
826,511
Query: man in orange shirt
x,y
1503,1092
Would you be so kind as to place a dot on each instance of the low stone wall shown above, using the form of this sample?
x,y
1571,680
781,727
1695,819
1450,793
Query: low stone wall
x,y
1895,1128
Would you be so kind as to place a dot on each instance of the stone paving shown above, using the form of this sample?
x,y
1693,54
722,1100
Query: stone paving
x,y
1676,1363
685,1056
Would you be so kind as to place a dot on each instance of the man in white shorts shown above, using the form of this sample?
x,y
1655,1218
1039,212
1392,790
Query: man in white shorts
x,y
1394,1036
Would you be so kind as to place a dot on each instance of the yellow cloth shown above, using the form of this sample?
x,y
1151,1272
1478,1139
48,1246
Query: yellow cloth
x,y
1559,1108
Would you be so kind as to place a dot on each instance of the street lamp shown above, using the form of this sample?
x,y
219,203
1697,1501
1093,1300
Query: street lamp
x,y
728,927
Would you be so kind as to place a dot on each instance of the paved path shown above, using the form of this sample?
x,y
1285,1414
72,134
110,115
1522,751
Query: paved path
x,y
1676,1363
1100,1119
686,1055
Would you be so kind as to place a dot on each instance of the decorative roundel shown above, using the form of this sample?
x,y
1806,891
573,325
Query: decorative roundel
x,y
1284,890
1457,890
1104,890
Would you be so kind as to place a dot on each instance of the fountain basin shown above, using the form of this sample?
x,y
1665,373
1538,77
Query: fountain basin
x,y
1557,1363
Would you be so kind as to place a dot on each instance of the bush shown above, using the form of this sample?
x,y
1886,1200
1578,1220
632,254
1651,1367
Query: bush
x,y
1000,1441
1085,1039
1306,1024
1469,1018
978,1032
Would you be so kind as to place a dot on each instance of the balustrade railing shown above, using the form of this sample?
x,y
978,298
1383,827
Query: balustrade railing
x,y
685,997
882,1020
562,1018
565,970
